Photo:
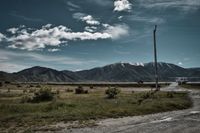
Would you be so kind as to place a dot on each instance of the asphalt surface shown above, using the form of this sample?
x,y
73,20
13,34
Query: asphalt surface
x,y
184,121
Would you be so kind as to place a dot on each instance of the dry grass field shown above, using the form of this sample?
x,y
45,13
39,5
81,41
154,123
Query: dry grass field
x,y
16,113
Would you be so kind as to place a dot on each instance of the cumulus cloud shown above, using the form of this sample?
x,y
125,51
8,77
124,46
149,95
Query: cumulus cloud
x,y
116,31
122,5
90,20
13,30
50,36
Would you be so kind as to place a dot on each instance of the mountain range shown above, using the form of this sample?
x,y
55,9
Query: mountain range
x,y
117,72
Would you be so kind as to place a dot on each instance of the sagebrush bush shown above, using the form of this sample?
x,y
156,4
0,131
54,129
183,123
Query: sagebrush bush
x,y
31,85
91,87
38,86
80,90
18,85
26,99
112,92
7,82
170,94
43,95
1,84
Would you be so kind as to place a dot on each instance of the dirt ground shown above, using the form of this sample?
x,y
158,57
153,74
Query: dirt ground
x,y
184,121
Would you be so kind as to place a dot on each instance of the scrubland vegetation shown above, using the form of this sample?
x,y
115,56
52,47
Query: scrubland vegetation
x,y
191,86
32,105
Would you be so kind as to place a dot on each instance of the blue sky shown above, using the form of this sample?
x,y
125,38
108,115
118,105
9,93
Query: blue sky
x,y
82,34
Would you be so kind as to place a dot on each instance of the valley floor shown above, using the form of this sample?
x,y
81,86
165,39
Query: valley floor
x,y
82,113
184,121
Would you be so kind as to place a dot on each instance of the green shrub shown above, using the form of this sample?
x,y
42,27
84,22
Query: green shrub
x,y
80,90
1,84
31,85
170,94
140,82
26,99
44,94
146,95
7,82
38,86
18,85
91,87
112,92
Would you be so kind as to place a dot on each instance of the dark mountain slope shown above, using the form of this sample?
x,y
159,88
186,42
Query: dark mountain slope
x,y
118,72
42,74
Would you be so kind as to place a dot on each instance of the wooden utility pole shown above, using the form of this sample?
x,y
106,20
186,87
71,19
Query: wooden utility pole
x,y
155,58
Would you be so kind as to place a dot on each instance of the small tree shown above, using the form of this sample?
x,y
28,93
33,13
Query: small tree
x,y
112,92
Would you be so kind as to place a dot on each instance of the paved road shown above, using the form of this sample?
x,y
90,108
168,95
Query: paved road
x,y
184,121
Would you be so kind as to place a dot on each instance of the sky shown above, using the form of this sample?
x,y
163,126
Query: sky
x,y
83,34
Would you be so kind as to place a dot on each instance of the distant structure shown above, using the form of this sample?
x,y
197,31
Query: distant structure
x,y
181,80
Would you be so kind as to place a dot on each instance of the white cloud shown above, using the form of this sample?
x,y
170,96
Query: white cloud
x,y
90,20
1,37
50,36
117,31
122,5
53,50
37,39
13,30
90,28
